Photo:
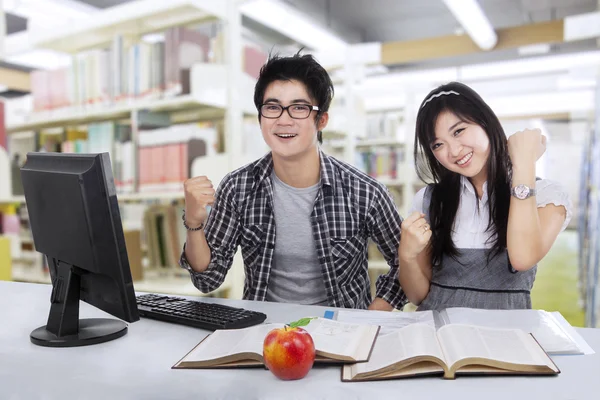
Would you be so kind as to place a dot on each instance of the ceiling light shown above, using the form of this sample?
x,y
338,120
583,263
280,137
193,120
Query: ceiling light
x,y
542,103
570,82
537,65
582,26
291,23
392,82
534,49
471,17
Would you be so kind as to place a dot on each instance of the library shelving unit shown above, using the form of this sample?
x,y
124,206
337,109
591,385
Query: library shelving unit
x,y
362,136
588,225
13,200
588,228
216,92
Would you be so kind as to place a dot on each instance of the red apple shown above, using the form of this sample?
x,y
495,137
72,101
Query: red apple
x,y
289,352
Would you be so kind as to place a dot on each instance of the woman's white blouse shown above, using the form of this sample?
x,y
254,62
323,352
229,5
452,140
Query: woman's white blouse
x,y
471,219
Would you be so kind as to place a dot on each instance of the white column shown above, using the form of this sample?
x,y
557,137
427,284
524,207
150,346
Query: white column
x,y
593,321
135,148
234,120
2,30
233,59
354,106
408,174
349,72
597,40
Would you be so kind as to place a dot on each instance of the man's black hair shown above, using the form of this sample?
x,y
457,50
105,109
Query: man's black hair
x,y
302,68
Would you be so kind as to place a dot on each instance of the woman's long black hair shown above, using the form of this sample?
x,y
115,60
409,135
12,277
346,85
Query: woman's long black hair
x,y
467,105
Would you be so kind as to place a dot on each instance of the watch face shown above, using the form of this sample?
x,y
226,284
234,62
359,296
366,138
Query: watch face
x,y
521,191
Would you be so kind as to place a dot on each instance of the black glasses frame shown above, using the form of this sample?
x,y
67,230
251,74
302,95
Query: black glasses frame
x,y
312,108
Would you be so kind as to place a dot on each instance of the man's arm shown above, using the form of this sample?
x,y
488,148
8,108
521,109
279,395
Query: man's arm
x,y
383,223
208,253
380,304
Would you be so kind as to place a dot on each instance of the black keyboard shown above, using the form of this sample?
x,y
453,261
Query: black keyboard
x,y
198,314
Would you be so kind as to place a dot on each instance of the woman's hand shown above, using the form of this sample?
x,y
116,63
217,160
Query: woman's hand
x,y
415,236
526,147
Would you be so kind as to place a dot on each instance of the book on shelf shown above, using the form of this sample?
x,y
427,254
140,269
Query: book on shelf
x,y
164,235
456,349
125,71
5,257
380,162
550,329
385,125
166,155
183,48
253,60
335,342
3,137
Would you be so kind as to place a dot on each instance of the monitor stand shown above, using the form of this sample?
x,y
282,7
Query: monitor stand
x,y
64,328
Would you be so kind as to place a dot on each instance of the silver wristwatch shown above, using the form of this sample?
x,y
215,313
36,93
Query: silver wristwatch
x,y
522,192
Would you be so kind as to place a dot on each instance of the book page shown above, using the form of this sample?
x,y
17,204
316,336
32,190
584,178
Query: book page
x,y
336,337
541,324
411,341
573,334
226,342
389,321
508,345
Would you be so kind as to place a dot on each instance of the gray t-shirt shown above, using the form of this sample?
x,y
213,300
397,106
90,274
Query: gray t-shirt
x,y
296,275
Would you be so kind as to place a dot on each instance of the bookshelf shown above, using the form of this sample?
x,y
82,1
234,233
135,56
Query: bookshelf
x,y
217,89
132,19
13,200
208,97
151,196
375,142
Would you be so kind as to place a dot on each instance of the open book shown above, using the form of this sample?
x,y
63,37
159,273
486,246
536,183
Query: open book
x,y
550,329
418,349
335,342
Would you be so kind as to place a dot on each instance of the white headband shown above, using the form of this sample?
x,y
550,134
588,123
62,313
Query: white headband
x,y
438,95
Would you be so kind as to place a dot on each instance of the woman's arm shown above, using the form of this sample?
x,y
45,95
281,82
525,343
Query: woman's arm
x,y
531,230
414,258
415,276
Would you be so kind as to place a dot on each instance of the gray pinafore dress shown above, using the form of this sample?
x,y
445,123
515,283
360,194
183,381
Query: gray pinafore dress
x,y
473,281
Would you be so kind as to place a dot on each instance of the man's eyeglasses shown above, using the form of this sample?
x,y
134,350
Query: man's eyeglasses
x,y
296,111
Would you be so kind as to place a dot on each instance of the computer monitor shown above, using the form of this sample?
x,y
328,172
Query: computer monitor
x,y
75,221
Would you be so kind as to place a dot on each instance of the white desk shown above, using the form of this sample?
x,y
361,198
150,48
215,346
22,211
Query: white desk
x,y
138,365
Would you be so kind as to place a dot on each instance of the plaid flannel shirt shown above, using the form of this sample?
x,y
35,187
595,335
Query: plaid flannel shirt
x,y
350,207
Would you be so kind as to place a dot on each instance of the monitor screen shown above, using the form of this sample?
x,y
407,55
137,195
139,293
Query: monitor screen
x,y
75,222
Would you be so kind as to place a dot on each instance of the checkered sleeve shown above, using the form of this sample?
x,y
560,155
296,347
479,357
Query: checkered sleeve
x,y
384,227
222,235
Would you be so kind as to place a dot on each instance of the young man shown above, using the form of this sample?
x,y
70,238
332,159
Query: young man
x,y
302,218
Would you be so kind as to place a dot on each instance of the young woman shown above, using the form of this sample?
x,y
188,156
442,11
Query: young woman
x,y
476,233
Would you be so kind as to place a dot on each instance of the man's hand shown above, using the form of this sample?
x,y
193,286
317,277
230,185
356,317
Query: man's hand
x,y
380,304
199,193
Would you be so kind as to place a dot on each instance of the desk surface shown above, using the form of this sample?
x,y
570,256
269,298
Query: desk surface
x,y
138,365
